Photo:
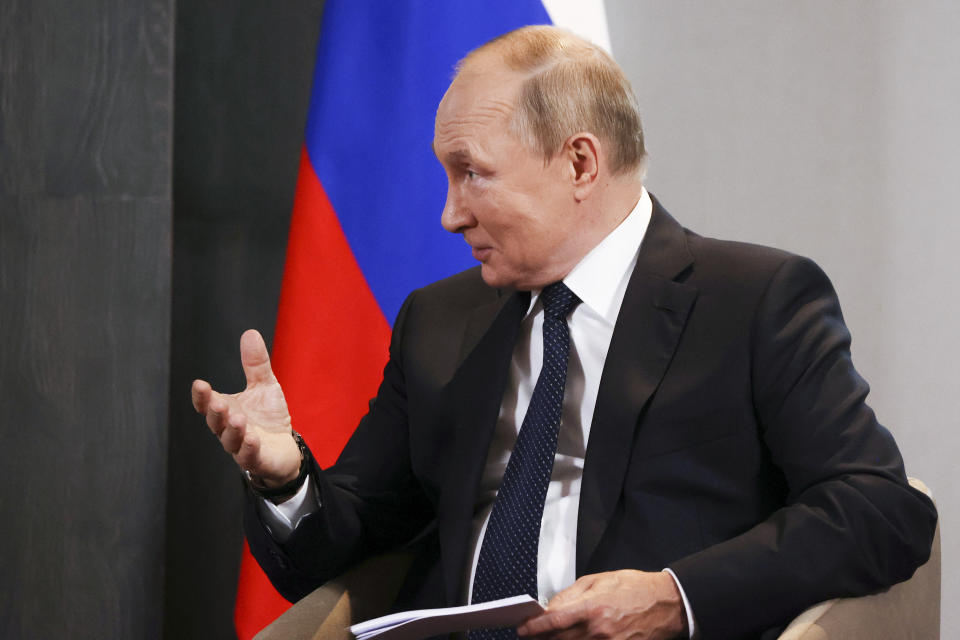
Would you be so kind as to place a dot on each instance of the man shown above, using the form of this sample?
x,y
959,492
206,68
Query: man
x,y
712,466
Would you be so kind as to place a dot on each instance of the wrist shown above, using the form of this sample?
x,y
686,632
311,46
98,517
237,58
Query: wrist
x,y
672,596
281,490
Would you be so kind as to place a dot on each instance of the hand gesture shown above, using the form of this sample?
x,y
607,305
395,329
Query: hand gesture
x,y
254,425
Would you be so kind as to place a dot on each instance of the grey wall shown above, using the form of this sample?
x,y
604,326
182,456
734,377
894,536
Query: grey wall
x,y
86,97
830,129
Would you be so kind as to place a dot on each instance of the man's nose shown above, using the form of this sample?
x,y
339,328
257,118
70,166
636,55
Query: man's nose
x,y
456,217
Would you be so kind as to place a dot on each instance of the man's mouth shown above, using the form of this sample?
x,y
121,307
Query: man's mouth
x,y
481,253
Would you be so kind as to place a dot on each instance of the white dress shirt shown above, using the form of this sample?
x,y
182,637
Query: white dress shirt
x,y
600,281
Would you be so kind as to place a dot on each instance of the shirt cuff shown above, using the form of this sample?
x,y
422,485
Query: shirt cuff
x,y
281,519
691,623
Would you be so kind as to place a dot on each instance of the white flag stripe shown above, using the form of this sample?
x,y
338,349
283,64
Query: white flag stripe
x,y
586,18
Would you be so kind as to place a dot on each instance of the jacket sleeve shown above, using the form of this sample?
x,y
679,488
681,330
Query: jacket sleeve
x,y
852,525
369,501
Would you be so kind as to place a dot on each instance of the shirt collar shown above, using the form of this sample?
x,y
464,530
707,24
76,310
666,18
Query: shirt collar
x,y
600,278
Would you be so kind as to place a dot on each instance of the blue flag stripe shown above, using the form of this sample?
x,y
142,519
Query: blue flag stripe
x,y
382,68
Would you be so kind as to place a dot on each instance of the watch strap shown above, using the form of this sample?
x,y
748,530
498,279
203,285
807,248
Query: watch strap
x,y
290,488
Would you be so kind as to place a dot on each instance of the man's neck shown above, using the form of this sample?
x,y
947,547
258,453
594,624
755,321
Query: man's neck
x,y
612,206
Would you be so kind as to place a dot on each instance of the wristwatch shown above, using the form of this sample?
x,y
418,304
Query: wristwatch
x,y
290,488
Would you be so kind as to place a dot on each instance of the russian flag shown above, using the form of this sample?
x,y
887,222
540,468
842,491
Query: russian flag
x,y
366,227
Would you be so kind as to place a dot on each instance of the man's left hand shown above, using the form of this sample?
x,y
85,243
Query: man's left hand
x,y
616,604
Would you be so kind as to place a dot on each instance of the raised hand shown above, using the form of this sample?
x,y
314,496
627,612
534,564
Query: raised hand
x,y
254,425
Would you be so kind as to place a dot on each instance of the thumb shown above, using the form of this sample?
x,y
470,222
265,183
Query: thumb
x,y
255,359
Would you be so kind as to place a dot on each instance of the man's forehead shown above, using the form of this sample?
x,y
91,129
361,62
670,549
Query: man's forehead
x,y
463,124
477,98
468,109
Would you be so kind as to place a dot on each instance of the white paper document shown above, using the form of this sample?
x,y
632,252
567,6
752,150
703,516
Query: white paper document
x,y
413,625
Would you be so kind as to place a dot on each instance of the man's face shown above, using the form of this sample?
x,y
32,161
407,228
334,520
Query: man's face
x,y
516,212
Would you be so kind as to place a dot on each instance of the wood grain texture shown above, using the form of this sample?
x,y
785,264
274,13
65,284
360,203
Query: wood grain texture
x,y
85,288
85,251
85,100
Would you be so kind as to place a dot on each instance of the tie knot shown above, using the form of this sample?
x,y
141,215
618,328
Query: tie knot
x,y
558,300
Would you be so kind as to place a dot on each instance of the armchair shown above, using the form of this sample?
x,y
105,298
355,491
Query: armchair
x,y
910,609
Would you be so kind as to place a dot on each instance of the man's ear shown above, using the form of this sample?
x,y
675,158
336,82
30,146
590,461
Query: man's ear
x,y
583,153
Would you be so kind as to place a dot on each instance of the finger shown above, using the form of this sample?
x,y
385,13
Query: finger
x,y
574,591
255,359
554,620
217,414
232,436
249,455
200,395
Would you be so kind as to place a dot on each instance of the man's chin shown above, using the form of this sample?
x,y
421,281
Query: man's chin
x,y
499,280
494,278
490,276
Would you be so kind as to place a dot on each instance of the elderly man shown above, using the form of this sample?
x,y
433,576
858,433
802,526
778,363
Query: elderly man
x,y
662,434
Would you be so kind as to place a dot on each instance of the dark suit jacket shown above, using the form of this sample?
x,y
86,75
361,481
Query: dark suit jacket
x,y
730,443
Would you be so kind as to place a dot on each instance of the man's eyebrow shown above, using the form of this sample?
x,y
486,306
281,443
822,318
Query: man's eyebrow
x,y
457,155
460,155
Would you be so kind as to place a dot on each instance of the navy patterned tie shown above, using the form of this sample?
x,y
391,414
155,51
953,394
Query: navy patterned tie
x,y
507,565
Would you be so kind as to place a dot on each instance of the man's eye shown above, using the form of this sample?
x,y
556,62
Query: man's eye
x,y
471,174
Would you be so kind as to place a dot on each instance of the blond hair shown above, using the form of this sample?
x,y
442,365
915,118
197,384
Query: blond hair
x,y
572,85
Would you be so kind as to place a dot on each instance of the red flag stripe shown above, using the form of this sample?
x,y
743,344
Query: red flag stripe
x,y
329,349
331,337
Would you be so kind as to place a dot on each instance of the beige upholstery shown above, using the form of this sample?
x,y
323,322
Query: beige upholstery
x,y
364,592
907,610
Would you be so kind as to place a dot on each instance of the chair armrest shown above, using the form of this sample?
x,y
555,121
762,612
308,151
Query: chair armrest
x,y
365,591
910,609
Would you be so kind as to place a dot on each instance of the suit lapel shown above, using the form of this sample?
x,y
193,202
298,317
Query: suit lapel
x,y
475,393
652,317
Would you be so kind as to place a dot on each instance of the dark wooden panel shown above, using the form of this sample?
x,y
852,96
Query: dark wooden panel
x,y
84,284
242,85
85,103
85,250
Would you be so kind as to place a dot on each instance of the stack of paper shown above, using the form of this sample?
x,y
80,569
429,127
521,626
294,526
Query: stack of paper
x,y
413,625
